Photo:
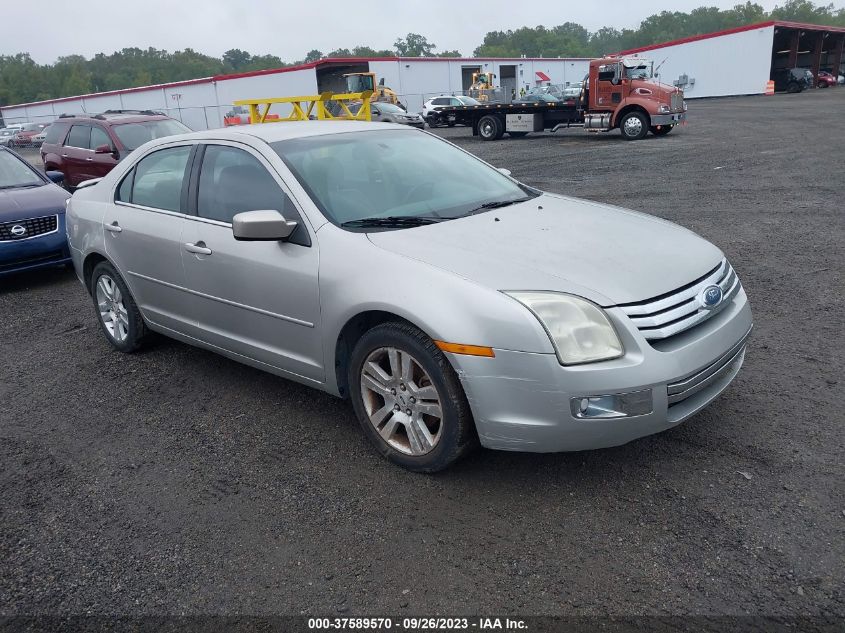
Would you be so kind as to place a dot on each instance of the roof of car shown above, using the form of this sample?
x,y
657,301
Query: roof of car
x,y
272,132
113,117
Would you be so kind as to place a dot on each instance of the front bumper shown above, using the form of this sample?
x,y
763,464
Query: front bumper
x,y
668,119
41,251
523,401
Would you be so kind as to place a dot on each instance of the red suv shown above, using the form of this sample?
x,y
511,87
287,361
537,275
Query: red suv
x,y
86,146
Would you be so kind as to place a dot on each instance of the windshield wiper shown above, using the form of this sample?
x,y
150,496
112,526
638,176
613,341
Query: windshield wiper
x,y
498,204
390,221
21,186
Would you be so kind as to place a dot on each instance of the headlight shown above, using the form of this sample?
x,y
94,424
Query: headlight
x,y
664,108
579,330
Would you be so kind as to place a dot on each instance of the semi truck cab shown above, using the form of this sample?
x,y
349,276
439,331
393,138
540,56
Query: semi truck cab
x,y
621,92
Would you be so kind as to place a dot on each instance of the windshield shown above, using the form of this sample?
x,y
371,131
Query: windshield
x,y
643,71
468,101
133,135
393,173
15,173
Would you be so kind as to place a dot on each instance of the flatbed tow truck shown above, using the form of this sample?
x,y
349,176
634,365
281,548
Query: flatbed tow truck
x,y
620,92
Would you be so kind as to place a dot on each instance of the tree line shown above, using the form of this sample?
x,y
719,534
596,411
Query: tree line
x,y
24,80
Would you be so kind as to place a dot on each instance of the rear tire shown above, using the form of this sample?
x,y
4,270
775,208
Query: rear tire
x,y
663,130
489,128
116,310
409,400
793,87
634,126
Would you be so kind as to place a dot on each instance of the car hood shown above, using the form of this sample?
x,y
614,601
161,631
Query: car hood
x,y
606,254
29,202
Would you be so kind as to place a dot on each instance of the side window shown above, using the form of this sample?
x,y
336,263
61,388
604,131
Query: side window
x,y
440,101
80,136
455,102
56,133
233,181
99,137
159,177
607,73
124,191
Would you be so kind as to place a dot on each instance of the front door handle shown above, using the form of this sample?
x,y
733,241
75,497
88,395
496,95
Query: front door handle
x,y
89,159
199,248
114,227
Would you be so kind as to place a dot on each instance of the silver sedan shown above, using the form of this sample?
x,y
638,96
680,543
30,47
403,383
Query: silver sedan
x,y
451,304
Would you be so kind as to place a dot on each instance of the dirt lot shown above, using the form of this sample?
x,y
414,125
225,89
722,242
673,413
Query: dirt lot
x,y
174,481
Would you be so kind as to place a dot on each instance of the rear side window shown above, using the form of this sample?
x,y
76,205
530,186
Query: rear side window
x,y
56,133
158,180
80,136
440,101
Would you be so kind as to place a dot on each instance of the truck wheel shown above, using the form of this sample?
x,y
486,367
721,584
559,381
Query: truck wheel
x,y
489,128
663,130
633,126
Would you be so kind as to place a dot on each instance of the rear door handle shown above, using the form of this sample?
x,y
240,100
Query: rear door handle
x,y
199,248
114,227
89,159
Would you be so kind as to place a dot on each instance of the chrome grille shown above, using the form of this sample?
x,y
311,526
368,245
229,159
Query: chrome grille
x,y
677,102
673,313
32,227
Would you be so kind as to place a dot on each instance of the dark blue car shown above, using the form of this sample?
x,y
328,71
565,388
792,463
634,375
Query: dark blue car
x,y
32,216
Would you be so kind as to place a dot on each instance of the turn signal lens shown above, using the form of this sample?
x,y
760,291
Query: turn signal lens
x,y
467,350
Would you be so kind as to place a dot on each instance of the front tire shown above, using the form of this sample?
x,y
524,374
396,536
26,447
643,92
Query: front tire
x,y
409,400
634,126
117,312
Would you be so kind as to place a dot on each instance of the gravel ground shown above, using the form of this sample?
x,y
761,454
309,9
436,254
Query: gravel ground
x,y
177,482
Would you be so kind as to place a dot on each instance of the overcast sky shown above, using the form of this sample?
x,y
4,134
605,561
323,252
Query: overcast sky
x,y
290,29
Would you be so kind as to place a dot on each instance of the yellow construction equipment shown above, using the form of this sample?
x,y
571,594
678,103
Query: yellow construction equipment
x,y
359,82
482,84
324,107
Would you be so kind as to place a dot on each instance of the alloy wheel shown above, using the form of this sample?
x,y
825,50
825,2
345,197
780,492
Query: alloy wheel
x,y
401,401
113,312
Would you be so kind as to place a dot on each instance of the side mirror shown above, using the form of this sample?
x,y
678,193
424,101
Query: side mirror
x,y
503,170
262,226
103,149
56,176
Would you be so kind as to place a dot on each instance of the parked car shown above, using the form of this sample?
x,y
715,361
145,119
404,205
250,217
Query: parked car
x,y
389,113
87,146
825,79
537,98
445,299
24,136
38,139
32,216
792,79
7,135
432,106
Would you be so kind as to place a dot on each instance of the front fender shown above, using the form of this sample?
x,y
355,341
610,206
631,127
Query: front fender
x,y
356,276
645,104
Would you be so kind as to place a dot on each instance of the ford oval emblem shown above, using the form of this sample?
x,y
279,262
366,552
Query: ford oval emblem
x,y
711,296
18,230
